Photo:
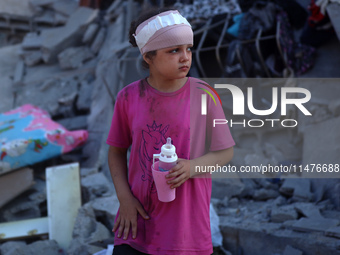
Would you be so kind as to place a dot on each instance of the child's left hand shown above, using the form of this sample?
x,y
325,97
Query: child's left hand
x,y
179,173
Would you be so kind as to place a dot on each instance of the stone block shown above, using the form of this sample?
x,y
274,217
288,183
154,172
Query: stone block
x,y
19,71
74,57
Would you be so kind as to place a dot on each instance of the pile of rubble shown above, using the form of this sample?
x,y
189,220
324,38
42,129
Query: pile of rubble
x,y
75,67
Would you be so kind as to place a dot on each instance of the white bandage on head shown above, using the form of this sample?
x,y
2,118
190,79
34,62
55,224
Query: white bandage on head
x,y
164,30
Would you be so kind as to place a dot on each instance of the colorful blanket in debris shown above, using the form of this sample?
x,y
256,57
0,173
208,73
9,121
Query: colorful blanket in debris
x,y
28,135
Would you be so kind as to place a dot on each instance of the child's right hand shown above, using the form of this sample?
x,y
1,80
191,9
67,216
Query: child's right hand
x,y
127,218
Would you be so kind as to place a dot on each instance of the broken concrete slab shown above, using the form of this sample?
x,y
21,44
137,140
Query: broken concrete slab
x,y
15,183
314,224
54,40
61,222
309,210
74,57
42,3
289,250
283,213
90,33
31,41
99,40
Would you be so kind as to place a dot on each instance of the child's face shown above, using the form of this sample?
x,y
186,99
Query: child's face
x,y
171,63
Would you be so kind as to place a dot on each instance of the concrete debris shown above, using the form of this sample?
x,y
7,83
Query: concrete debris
x,y
333,232
308,210
64,7
90,33
48,247
334,107
298,188
95,185
74,57
87,230
289,250
98,41
54,40
85,94
32,41
106,209
265,194
314,224
227,188
78,88
283,213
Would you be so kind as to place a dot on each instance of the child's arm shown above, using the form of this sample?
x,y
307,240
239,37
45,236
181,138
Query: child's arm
x,y
129,204
186,168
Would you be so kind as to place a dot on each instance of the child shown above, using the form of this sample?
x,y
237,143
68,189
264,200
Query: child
x,y
165,104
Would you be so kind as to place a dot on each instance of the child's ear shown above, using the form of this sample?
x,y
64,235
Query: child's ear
x,y
147,59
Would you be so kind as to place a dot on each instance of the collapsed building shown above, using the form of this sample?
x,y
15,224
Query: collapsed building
x,y
71,60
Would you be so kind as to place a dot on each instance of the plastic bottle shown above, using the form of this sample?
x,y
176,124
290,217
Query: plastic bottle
x,y
167,157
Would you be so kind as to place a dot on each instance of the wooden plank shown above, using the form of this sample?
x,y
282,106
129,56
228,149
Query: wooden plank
x,y
333,10
23,228
15,183
63,201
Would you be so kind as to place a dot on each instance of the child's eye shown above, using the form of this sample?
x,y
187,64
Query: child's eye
x,y
174,50
189,49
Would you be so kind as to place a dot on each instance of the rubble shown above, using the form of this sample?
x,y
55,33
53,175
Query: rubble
x,y
71,63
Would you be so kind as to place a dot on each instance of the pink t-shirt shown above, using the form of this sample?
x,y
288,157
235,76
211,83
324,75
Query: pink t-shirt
x,y
143,118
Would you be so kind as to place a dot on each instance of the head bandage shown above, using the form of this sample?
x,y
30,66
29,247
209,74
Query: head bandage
x,y
162,31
